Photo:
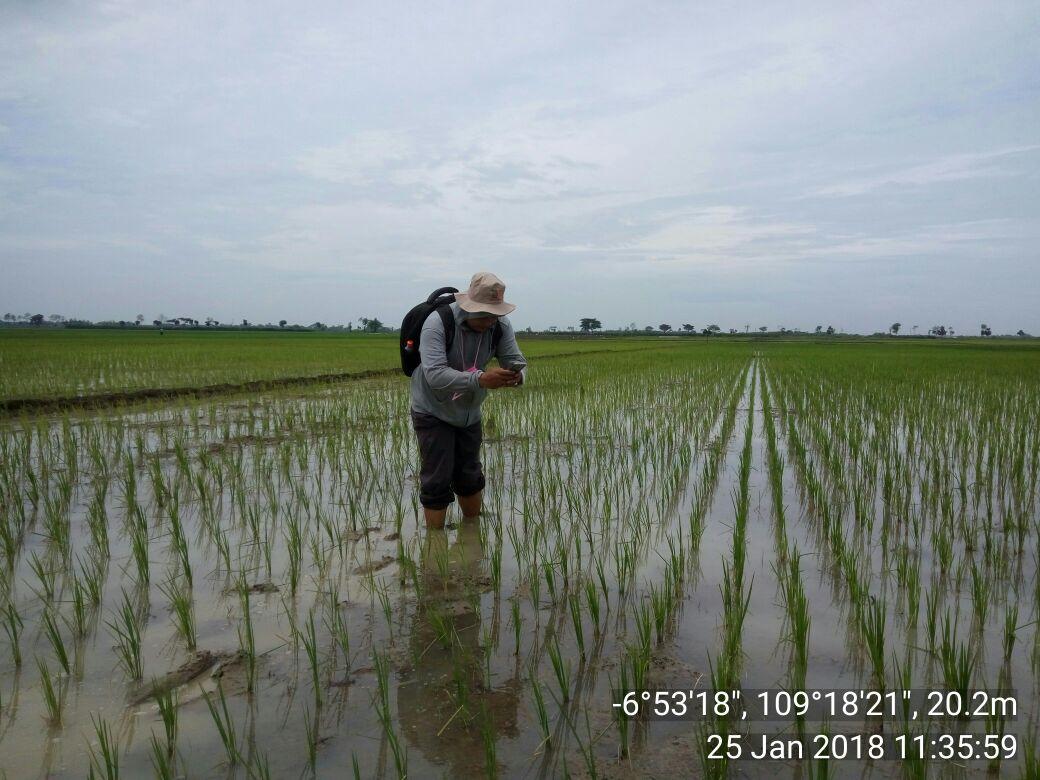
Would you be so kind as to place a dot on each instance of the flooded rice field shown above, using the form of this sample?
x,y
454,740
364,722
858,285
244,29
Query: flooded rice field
x,y
241,586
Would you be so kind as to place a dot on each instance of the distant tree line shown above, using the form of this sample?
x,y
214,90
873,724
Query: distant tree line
x,y
162,322
591,325
586,325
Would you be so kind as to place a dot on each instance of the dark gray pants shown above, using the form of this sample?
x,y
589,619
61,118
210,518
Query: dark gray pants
x,y
450,460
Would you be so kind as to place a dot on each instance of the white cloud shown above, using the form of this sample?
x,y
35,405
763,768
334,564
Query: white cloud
x,y
360,158
955,167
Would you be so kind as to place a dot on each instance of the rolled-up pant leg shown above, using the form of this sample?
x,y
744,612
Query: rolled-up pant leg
x,y
468,476
450,460
437,451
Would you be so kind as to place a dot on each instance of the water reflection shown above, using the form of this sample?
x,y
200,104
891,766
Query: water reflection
x,y
447,707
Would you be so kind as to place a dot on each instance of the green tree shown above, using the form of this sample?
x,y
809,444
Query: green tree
x,y
589,324
370,325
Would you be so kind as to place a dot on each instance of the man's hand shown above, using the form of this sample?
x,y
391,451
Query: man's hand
x,y
494,378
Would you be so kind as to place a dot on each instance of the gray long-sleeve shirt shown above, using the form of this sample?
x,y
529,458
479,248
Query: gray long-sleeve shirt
x,y
441,385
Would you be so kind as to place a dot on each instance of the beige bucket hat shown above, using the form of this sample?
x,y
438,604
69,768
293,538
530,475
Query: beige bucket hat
x,y
486,294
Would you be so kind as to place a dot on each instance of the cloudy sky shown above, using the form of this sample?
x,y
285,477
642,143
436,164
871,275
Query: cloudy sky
x,y
752,163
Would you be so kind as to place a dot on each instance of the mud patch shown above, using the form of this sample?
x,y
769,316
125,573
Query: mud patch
x,y
356,535
194,667
376,565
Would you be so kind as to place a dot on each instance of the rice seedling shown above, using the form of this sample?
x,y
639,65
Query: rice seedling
x,y
996,724
139,551
53,690
496,566
735,608
46,576
223,545
246,635
127,634
574,603
56,528
9,544
957,660
715,764
535,589
800,623
260,766
310,646
592,601
820,767
12,623
561,669
162,762
487,731
182,607
225,724
1030,759
549,570
980,596
915,764
644,626
873,627
166,699
932,615
621,716
585,748
183,557
441,625
336,625
80,609
294,548
1010,628
661,604
383,594
400,754
104,761
516,620
50,628
310,730
92,578
540,710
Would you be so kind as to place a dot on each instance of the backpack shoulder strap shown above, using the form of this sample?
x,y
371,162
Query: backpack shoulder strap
x,y
449,326
496,336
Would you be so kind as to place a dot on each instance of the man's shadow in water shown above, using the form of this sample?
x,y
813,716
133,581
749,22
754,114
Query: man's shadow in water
x,y
445,705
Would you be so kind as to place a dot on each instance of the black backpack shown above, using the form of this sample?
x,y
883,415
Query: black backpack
x,y
440,300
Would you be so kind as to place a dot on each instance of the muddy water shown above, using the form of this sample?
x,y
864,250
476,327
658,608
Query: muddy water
x,y
458,698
